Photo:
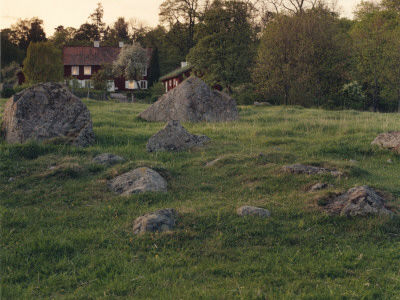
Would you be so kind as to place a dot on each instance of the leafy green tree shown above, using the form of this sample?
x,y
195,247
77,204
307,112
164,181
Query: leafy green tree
x,y
99,80
86,33
226,45
131,63
43,63
63,36
121,29
302,56
370,40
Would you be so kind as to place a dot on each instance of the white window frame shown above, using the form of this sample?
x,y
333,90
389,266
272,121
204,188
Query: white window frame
x,y
145,72
131,85
143,84
75,68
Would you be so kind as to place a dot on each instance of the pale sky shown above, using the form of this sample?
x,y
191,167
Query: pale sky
x,y
73,13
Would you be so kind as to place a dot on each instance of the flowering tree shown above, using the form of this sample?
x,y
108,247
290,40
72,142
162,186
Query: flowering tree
x,y
131,63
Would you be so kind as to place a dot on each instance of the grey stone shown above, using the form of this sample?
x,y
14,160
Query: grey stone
x,y
139,180
309,170
319,186
353,161
389,140
157,221
253,211
261,103
11,179
192,101
174,137
213,162
45,112
358,201
107,159
390,161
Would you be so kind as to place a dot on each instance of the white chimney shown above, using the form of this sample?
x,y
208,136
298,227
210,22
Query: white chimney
x,y
183,64
121,44
97,44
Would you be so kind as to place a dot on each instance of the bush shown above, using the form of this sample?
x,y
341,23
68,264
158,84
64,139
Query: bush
x,y
139,95
20,88
7,93
248,97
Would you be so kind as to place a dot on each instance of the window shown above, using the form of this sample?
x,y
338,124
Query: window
x,y
145,72
143,84
132,85
75,70
87,70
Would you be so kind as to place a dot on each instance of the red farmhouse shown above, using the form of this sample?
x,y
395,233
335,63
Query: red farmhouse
x,y
81,62
174,78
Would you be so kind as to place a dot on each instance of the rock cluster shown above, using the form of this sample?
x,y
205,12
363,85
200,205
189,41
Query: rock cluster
x,y
139,180
174,137
44,112
160,220
192,101
309,170
358,201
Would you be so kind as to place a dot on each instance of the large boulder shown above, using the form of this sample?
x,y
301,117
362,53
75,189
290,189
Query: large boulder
x,y
192,101
174,137
389,140
140,180
358,201
47,111
157,221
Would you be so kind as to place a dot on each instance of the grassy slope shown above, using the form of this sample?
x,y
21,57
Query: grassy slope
x,y
64,235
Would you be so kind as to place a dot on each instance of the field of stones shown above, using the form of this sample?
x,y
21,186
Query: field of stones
x,y
279,202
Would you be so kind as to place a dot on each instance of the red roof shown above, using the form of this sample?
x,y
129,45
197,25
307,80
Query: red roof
x,y
92,56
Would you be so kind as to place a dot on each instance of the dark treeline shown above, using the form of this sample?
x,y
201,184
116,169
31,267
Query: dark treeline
x,y
292,52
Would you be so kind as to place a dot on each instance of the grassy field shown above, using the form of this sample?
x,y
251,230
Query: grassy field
x,y
65,236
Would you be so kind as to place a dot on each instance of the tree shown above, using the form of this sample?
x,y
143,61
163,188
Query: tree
x,y
301,57
43,63
9,51
97,21
225,51
181,17
26,31
370,39
86,32
131,63
121,29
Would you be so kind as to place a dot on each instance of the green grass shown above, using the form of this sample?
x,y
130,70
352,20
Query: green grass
x,y
65,236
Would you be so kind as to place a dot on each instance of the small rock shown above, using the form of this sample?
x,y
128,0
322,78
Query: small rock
x,y
213,162
11,179
160,220
389,140
390,161
310,170
261,103
353,161
253,211
358,201
174,137
107,159
139,180
319,186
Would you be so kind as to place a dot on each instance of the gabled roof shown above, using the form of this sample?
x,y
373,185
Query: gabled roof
x,y
92,56
176,73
